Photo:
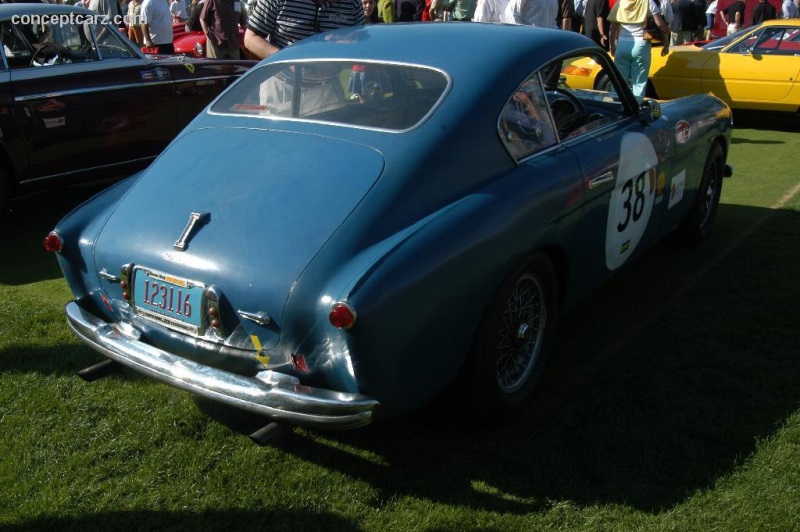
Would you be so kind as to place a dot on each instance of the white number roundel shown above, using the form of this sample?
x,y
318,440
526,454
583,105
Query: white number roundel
x,y
632,198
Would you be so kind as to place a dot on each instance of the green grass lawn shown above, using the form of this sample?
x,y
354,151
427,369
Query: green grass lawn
x,y
673,403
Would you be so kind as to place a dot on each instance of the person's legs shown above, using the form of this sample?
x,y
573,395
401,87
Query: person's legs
x,y
640,67
623,58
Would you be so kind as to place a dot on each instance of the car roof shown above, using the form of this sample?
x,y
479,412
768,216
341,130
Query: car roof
x,y
782,22
9,10
456,48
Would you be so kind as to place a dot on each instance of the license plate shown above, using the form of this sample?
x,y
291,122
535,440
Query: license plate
x,y
169,300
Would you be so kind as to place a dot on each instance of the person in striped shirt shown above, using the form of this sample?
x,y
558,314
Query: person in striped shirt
x,y
275,24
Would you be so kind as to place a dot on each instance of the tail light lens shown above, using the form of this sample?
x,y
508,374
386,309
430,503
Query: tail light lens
x,y
342,316
53,242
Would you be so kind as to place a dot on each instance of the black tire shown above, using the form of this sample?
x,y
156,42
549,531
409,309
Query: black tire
x,y
650,90
697,224
513,340
603,83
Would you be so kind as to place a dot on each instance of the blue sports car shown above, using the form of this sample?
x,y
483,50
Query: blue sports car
x,y
354,224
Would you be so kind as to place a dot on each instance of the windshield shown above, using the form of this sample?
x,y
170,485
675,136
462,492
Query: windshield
x,y
364,94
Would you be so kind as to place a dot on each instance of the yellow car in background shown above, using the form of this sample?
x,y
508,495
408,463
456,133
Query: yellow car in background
x,y
755,68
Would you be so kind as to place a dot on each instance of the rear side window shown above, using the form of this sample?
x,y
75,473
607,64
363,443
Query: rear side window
x,y
374,95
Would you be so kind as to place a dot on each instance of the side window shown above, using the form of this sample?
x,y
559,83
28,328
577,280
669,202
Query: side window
x,y
744,46
586,96
563,100
16,48
110,43
48,44
525,124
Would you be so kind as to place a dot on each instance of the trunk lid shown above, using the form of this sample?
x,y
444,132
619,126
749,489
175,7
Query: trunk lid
x,y
273,199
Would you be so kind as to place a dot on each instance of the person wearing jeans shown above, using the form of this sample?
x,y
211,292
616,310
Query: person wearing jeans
x,y
629,42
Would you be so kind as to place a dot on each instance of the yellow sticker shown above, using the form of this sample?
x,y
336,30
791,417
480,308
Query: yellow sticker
x,y
189,67
261,357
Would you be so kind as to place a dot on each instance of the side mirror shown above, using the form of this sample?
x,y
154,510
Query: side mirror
x,y
650,110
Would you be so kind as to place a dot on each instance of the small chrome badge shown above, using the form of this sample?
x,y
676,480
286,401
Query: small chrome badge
x,y
196,219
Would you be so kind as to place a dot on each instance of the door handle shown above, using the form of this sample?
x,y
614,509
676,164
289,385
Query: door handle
x,y
603,179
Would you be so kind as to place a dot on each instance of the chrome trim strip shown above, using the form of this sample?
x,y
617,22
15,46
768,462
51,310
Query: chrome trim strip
x,y
92,90
83,170
74,92
602,180
270,394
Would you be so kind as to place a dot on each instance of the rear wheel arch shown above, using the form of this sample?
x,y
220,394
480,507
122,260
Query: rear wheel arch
x,y
512,344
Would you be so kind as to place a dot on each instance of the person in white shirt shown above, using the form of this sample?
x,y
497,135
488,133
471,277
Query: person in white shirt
x,y
539,13
157,25
490,11
788,9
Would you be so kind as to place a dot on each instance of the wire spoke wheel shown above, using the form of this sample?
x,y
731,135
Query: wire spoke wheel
x,y
513,340
520,336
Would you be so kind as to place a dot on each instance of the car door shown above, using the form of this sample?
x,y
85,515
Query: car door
x,y
89,105
762,66
623,161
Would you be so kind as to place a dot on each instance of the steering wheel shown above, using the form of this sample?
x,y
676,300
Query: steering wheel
x,y
568,111
39,58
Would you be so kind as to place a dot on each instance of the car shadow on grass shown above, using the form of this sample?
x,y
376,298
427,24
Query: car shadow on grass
x,y
22,256
663,382
285,519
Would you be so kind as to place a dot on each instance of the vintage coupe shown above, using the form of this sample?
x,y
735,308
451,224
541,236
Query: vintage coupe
x,y
80,102
355,224
755,68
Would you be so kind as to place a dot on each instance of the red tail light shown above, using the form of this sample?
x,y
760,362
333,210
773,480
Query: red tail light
x,y
342,316
53,242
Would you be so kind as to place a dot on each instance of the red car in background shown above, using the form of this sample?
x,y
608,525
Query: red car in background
x,y
194,42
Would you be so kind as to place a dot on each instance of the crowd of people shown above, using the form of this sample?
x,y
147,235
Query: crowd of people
x,y
626,28
149,23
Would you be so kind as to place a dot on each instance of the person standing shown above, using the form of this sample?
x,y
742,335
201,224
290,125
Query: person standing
x,y
275,24
566,12
539,13
178,10
107,8
370,11
734,16
789,9
135,22
490,11
157,26
595,21
577,19
220,22
763,11
711,15
630,49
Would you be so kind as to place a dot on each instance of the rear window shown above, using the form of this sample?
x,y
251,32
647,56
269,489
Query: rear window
x,y
362,94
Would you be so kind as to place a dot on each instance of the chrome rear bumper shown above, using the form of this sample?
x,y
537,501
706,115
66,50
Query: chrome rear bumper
x,y
275,395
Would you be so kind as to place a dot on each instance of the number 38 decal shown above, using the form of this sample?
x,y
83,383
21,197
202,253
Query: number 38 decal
x,y
632,198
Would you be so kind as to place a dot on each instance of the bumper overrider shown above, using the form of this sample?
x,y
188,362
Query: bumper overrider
x,y
275,395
